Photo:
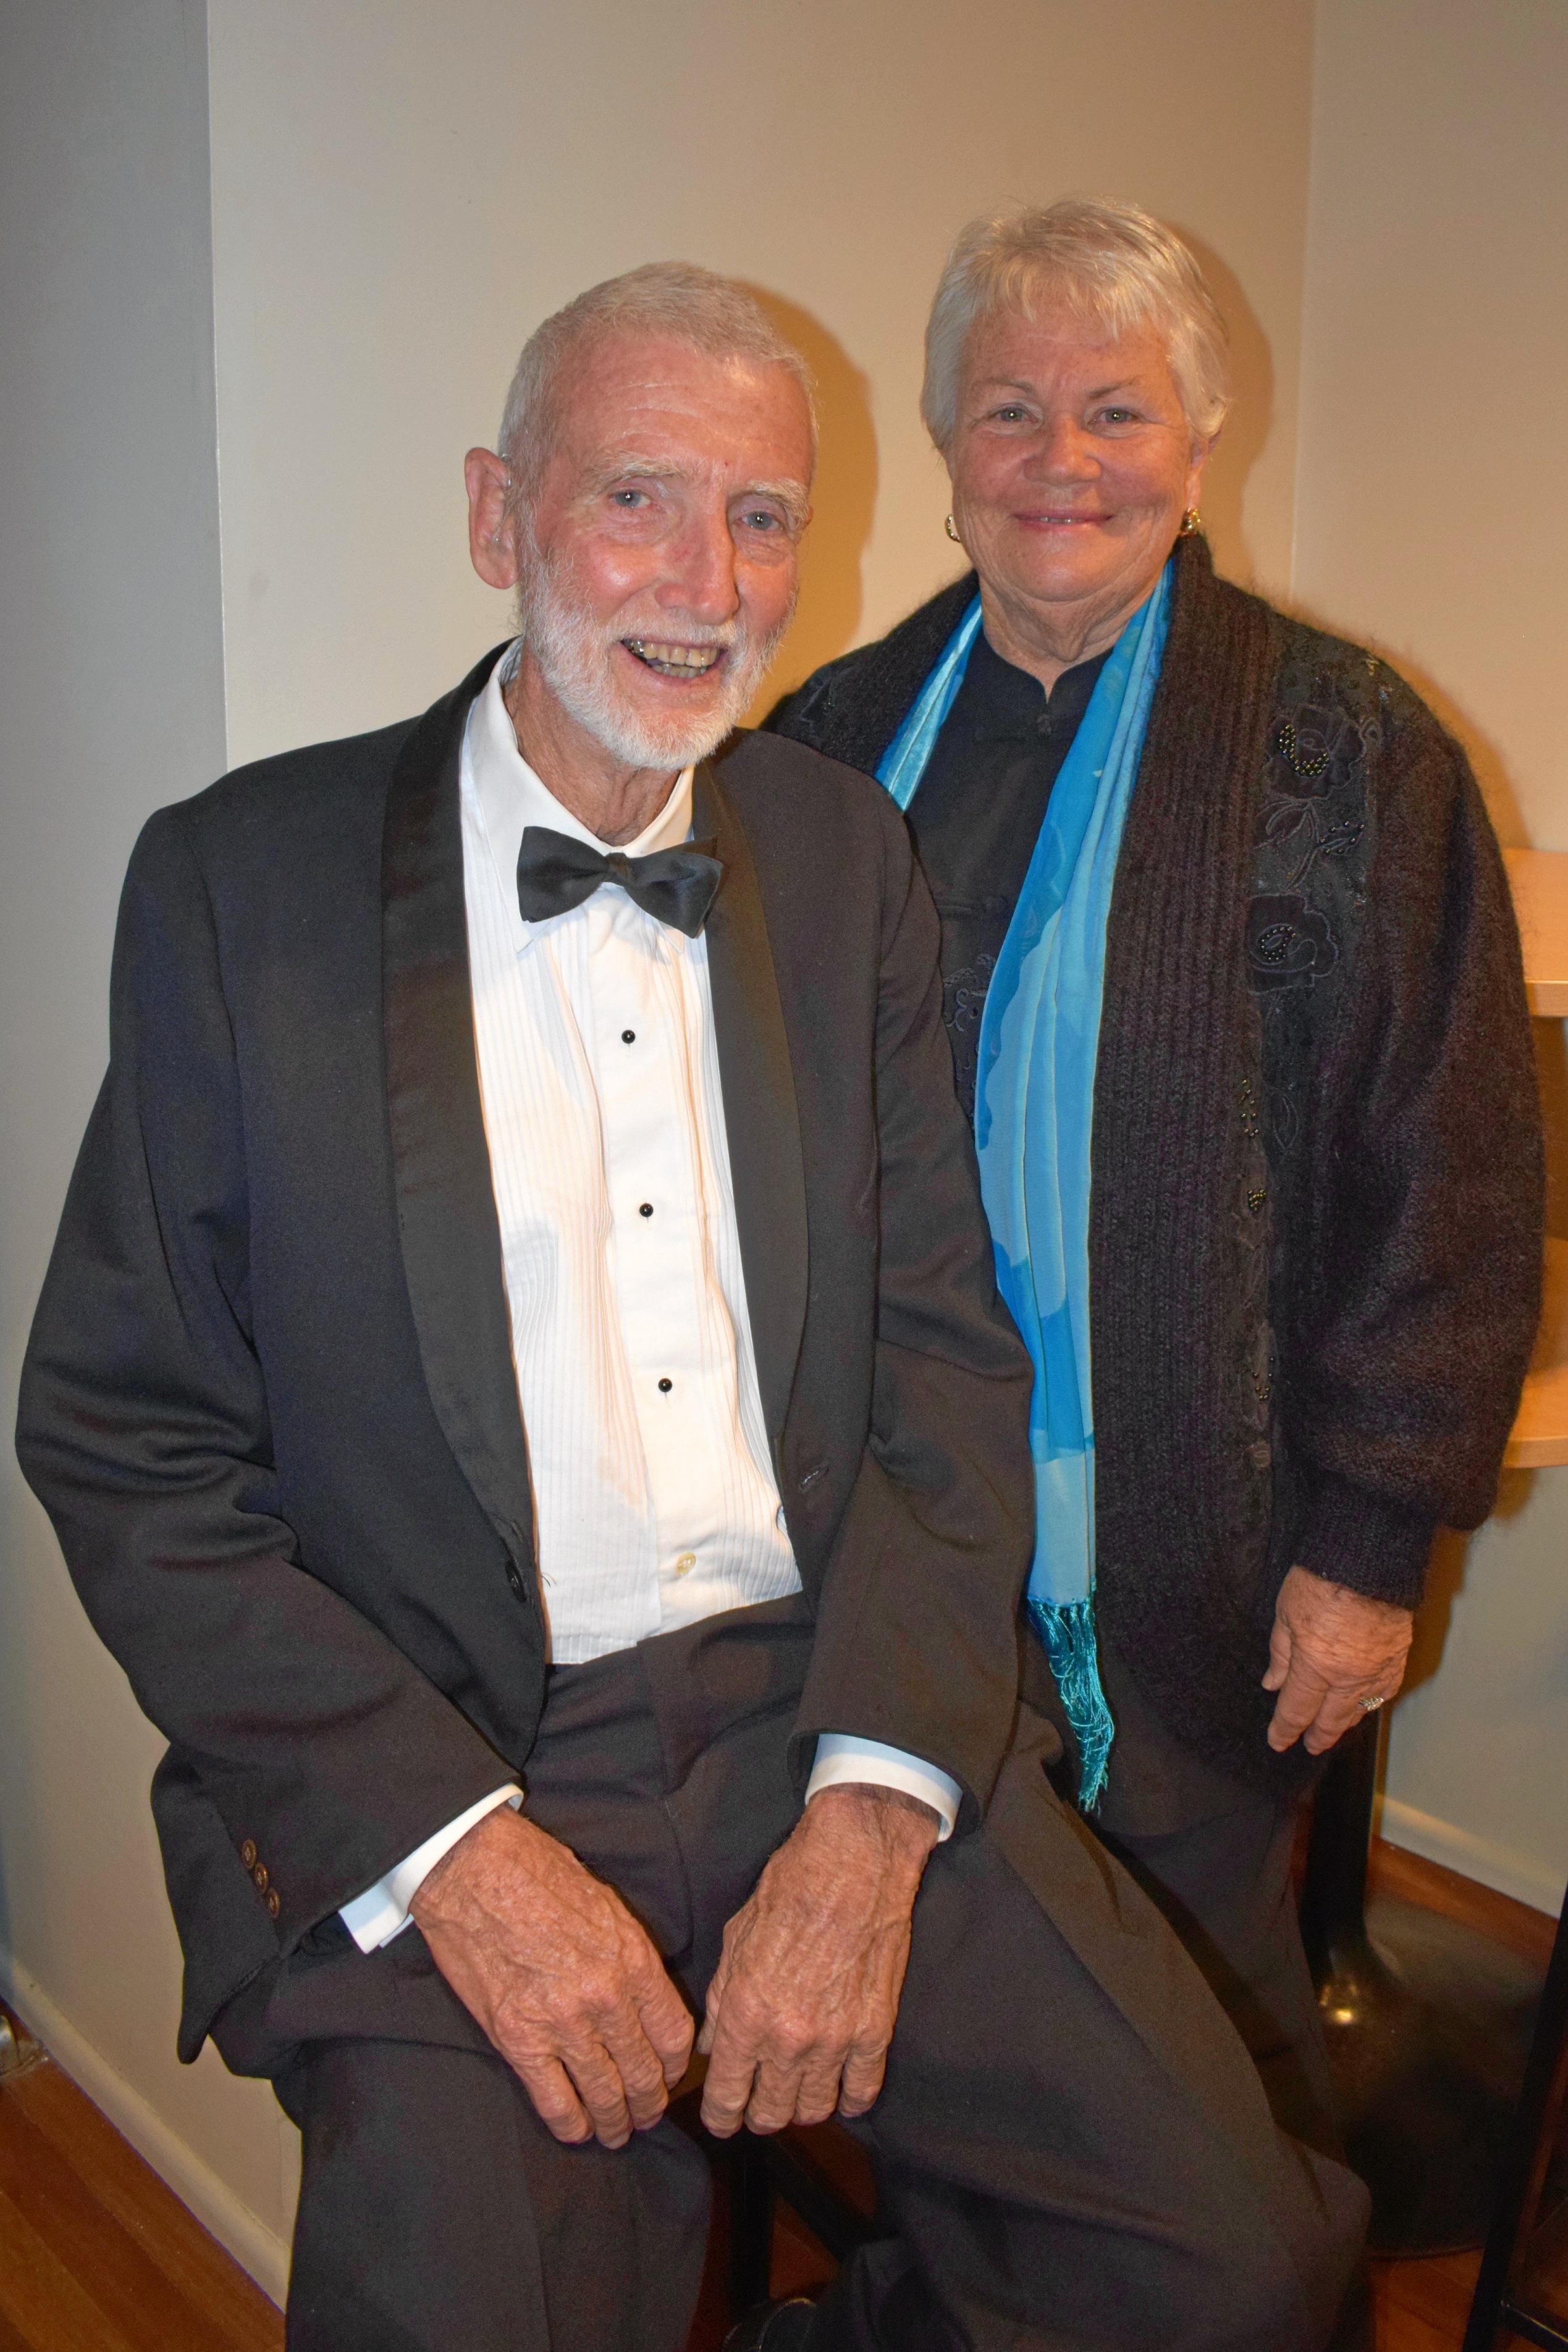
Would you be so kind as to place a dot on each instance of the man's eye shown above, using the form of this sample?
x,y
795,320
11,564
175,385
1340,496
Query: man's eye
x,y
762,518
627,499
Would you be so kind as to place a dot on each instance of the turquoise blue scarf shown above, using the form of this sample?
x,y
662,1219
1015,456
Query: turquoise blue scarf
x,y
1039,1039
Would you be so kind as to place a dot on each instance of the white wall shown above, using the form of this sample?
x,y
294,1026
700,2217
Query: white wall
x,y
1432,516
400,194
113,668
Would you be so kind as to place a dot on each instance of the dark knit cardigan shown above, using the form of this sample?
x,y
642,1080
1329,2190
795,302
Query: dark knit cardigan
x,y
1315,1237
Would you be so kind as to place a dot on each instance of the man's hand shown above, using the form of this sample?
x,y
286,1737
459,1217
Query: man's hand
x,y
560,1975
801,2005
1329,1650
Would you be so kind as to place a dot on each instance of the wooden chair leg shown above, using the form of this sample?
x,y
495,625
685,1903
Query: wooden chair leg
x,y
1537,2121
750,2223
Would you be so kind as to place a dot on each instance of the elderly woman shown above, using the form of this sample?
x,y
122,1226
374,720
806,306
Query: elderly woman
x,y
1233,993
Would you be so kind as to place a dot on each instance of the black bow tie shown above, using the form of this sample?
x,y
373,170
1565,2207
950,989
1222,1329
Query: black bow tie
x,y
555,872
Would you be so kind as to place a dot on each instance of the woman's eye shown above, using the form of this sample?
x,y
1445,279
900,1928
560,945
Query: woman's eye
x,y
1009,415
1117,416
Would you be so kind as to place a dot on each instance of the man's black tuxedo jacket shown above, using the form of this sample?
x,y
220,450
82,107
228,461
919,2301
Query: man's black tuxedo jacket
x,y
269,1400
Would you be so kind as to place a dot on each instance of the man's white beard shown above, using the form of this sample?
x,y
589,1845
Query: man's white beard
x,y
575,654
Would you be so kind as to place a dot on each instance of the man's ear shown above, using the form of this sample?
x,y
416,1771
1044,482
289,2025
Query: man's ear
x,y
490,482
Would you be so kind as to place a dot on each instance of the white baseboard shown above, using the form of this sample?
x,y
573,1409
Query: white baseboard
x,y
1473,1857
193,2182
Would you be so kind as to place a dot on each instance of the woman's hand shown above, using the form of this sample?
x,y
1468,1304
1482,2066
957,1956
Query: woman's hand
x,y
1330,1652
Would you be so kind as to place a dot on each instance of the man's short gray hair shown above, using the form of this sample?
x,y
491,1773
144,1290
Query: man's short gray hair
x,y
692,306
1117,267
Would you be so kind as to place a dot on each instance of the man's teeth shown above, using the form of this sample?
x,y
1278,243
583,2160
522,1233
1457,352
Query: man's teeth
x,y
688,660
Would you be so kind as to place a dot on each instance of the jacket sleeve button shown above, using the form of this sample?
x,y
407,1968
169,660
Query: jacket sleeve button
x,y
273,1902
259,1875
247,1854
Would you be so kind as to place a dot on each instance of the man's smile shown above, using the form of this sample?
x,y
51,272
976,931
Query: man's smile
x,y
673,660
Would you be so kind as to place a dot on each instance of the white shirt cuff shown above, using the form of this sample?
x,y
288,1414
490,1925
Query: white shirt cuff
x,y
374,1918
841,1758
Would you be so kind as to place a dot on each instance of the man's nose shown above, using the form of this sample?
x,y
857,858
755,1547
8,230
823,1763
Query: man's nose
x,y
702,580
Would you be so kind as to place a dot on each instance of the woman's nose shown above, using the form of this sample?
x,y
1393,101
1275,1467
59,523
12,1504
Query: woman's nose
x,y
1063,452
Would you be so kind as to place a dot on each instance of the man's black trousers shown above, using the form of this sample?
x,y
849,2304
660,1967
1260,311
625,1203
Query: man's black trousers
x,y
1073,2145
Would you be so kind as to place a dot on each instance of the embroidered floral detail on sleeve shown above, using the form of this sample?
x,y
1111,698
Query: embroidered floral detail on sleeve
x,y
1289,942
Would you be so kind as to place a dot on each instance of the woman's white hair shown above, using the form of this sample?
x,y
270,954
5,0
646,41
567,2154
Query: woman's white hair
x,y
1118,267
692,306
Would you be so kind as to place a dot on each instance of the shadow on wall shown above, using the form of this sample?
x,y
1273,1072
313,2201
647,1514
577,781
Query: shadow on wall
x,y
1446,1581
1445,1574
7,1951
844,500
19,1678
1251,418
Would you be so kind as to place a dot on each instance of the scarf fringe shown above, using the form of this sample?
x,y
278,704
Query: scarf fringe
x,y
1066,1632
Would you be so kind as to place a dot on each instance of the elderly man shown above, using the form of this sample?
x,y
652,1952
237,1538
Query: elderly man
x,y
520,1389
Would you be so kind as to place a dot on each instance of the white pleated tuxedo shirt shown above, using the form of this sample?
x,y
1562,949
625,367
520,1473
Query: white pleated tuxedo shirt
x,y
655,1500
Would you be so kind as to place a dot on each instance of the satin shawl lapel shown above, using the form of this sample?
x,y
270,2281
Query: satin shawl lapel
x,y
761,1116
447,1215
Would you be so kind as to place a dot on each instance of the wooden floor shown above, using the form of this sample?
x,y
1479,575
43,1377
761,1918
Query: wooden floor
x,y
96,2256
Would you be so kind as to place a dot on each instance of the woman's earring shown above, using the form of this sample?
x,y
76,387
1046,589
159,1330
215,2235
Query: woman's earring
x,y
952,530
1191,521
